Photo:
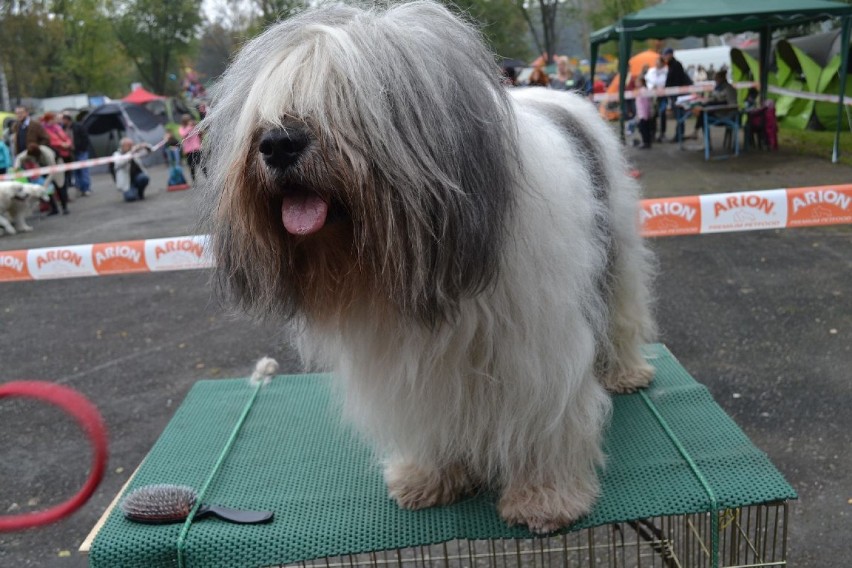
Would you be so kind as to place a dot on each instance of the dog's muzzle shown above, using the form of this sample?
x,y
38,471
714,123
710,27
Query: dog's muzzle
x,y
303,212
281,147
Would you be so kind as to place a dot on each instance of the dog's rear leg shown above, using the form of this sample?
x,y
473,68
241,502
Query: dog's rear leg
x,y
415,486
21,222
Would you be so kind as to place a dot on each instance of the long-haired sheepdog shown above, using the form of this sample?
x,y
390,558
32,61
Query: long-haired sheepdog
x,y
16,202
465,258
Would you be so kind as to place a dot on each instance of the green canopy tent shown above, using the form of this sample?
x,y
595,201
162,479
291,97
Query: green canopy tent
x,y
798,72
817,58
695,18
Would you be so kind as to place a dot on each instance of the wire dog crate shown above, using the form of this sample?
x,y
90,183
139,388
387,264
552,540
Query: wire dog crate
x,y
749,537
683,488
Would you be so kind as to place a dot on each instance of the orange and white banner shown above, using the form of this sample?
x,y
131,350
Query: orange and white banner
x,y
60,168
669,216
747,211
707,86
822,97
151,255
702,87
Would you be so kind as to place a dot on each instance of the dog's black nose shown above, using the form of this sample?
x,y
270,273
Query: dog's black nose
x,y
282,147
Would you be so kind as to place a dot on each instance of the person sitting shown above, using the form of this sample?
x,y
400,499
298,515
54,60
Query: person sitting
x,y
724,94
131,179
566,78
563,80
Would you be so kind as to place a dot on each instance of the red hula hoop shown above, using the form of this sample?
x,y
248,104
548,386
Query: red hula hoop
x,y
78,406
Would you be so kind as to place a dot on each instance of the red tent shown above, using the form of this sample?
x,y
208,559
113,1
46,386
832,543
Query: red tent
x,y
140,96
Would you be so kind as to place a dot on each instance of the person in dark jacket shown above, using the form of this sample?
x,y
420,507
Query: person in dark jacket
x,y
26,131
676,77
81,153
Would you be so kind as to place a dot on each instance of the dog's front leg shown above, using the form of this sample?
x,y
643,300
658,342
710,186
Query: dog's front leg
x,y
547,506
415,486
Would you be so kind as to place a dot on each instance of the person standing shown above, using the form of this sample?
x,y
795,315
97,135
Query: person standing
x,y
63,150
655,79
644,113
26,131
675,77
191,144
5,158
81,153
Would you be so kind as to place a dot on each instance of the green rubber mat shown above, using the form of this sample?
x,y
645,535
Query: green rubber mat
x,y
281,447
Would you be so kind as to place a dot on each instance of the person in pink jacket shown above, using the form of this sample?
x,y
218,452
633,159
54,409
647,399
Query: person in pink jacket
x,y
191,144
644,112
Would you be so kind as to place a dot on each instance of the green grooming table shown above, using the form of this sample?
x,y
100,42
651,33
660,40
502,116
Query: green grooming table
x,y
671,451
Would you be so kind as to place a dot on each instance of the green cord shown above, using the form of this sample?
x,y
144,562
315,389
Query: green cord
x,y
714,505
181,541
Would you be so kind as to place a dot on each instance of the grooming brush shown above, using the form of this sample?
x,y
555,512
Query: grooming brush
x,y
163,504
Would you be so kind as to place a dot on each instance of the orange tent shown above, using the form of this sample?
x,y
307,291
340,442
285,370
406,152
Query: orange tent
x,y
648,57
638,62
635,66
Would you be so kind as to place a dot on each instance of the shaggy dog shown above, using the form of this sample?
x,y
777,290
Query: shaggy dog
x,y
466,259
16,202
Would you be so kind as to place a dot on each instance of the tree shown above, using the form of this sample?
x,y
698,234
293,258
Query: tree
x,y
543,32
250,17
216,46
502,25
27,34
156,34
91,60
270,11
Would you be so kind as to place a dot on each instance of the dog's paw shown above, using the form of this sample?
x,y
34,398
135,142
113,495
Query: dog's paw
x,y
544,509
9,230
25,229
623,381
416,487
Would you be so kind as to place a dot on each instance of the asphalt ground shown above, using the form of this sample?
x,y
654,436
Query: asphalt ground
x,y
763,319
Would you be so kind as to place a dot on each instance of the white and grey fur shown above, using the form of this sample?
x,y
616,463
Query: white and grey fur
x,y
16,202
487,282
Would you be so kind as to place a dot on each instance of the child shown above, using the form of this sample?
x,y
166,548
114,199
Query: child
x,y
644,104
5,158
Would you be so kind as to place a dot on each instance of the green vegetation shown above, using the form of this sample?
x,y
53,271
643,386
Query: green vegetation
x,y
60,47
818,143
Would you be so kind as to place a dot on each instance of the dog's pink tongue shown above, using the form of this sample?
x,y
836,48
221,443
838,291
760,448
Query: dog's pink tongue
x,y
303,214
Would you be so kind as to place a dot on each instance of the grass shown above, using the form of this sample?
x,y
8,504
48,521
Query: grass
x,y
816,143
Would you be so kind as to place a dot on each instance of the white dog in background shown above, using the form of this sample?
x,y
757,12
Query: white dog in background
x,y
16,202
467,259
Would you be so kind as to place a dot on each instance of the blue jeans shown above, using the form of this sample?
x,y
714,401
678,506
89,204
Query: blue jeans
x,y
81,176
137,188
